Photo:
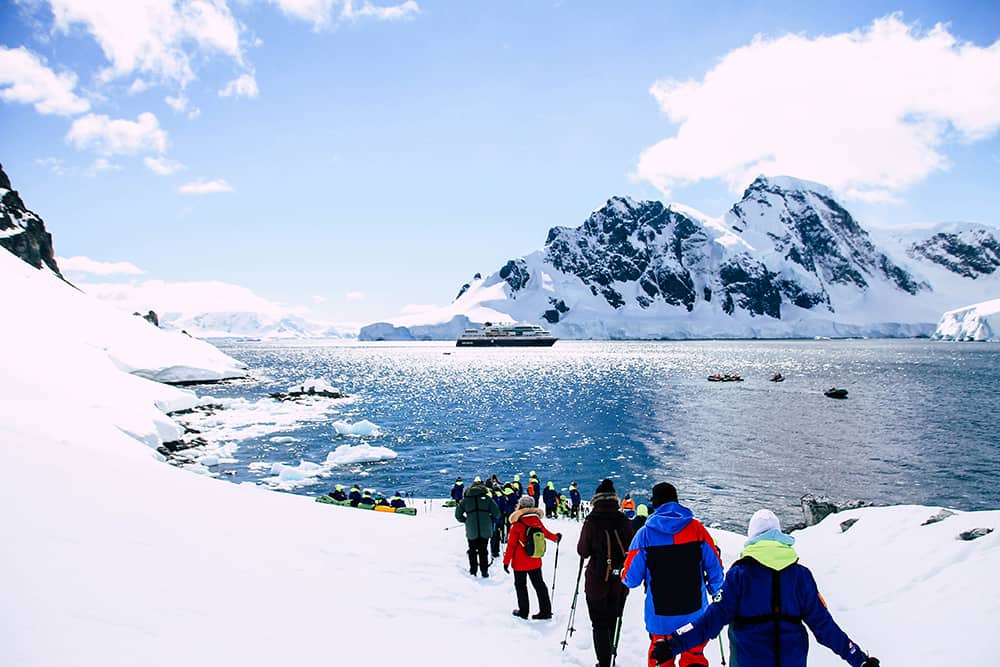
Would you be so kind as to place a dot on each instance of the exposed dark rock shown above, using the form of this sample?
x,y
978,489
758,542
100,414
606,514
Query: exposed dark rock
x,y
845,525
150,317
515,272
937,518
29,240
817,508
465,288
974,534
970,254
311,392
206,409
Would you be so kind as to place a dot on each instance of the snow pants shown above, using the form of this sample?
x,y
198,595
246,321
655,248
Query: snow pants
x,y
478,558
521,589
495,542
550,511
604,614
690,658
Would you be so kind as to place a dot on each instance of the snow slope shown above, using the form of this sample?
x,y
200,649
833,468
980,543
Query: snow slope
x,y
56,312
980,321
786,261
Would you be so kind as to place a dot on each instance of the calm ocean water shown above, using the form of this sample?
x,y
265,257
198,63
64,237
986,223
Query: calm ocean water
x,y
921,425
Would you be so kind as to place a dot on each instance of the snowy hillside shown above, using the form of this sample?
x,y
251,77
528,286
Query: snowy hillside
x,y
132,560
40,307
978,322
786,261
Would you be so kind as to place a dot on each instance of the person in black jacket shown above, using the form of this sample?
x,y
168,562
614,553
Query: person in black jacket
x,y
355,495
604,539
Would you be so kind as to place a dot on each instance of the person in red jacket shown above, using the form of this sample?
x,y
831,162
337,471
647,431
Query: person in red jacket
x,y
525,566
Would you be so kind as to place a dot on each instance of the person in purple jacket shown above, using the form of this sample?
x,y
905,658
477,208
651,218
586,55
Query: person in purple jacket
x,y
768,598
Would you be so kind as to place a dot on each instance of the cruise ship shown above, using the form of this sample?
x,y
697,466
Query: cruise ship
x,y
506,335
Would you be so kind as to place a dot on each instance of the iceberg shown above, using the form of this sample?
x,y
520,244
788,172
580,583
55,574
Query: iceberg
x,y
978,322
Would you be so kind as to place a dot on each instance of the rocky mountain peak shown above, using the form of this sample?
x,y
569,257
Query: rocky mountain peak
x,y
22,232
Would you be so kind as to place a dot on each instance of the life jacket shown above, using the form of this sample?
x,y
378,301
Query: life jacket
x,y
628,504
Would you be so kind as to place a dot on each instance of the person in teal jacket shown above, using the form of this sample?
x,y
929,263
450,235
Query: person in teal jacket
x,y
478,512
768,599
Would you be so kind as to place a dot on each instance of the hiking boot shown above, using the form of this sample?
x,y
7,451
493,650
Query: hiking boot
x,y
485,574
542,616
517,612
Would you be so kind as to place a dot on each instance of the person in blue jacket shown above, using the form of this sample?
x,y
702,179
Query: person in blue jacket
x,y
551,500
458,491
574,501
676,558
397,501
338,493
766,598
355,495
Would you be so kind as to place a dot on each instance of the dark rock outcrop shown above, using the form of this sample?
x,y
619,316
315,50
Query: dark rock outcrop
x,y
22,232
970,253
817,508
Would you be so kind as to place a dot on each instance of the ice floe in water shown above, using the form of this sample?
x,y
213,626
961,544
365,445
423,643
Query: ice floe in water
x,y
315,386
359,428
348,454
284,439
287,477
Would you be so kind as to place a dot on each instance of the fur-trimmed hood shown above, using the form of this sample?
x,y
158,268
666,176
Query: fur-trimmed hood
x,y
517,514
606,498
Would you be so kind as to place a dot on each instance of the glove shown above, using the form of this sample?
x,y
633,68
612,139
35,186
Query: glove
x,y
506,568
558,537
870,662
663,651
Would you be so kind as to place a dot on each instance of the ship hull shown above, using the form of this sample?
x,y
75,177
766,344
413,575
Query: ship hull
x,y
507,342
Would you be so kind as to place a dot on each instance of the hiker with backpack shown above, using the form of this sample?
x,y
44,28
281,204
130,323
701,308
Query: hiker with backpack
x,y
478,512
676,559
525,548
551,499
534,487
458,491
766,598
604,539
574,501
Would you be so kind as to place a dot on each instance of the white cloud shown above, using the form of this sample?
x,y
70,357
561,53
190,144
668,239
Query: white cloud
x,y
866,112
355,296
103,164
94,267
162,165
398,12
242,86
153,37
56,165
118,137
178,103
24,78
320,12
201,187
187,298
139,86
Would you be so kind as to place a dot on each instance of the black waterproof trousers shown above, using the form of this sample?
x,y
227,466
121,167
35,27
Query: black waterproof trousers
x,y
495,542
478,558
604,614
521,588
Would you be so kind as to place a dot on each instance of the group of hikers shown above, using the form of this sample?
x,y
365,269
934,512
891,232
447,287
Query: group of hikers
x,y
767,598
557,504
367,497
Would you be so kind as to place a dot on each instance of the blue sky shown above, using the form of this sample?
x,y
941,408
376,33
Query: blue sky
x,y
368,156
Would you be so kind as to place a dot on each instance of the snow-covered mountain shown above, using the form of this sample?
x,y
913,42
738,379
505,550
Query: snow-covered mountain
x,y
787,260
22,232
251,325
978,322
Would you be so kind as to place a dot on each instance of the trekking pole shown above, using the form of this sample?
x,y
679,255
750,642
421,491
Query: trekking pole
x,y
618,633
450,527
722,650
572,610
555,568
